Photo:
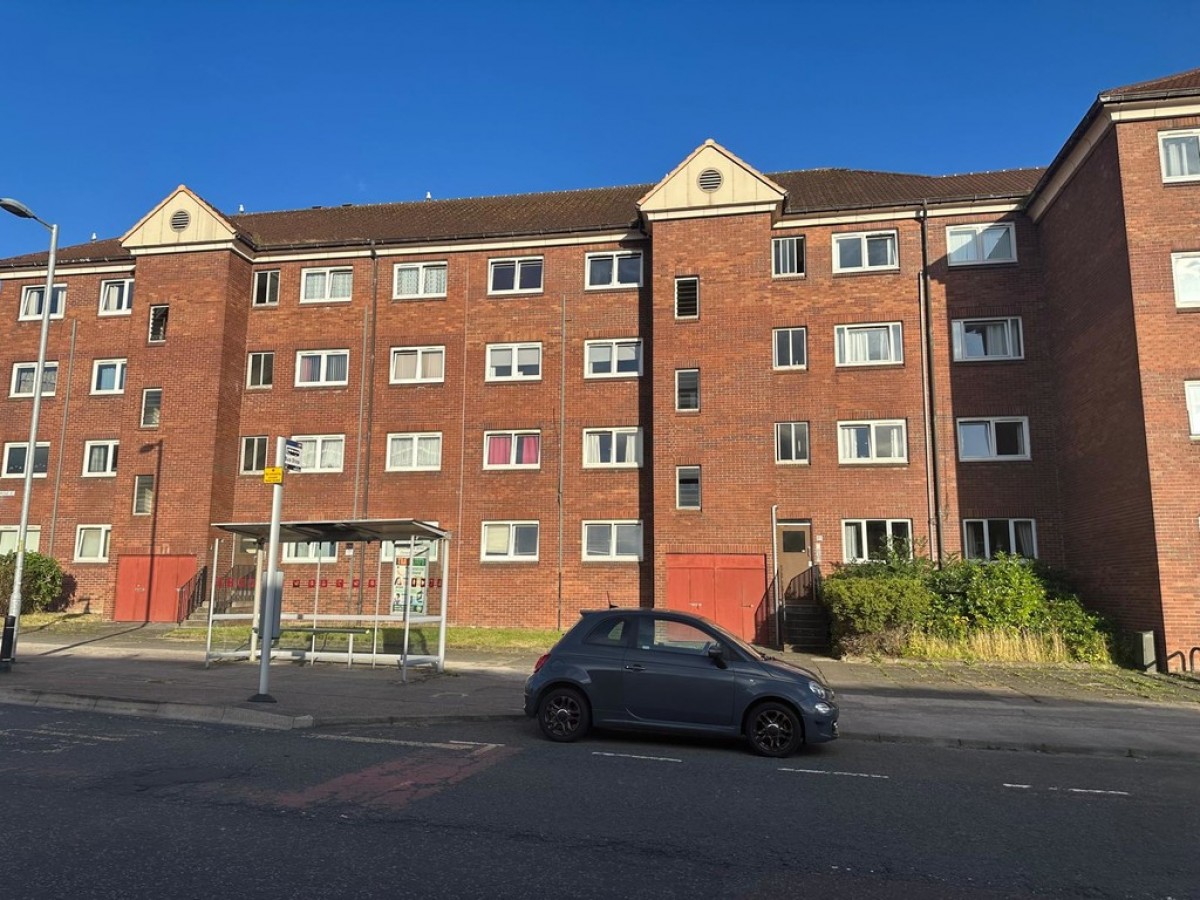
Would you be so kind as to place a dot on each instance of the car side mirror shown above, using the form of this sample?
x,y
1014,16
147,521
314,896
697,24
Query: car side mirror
x,y
717,654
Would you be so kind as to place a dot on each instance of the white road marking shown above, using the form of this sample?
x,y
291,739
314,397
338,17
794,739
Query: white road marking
x,y
635,756
829,772
1023,787
1089,791
430,745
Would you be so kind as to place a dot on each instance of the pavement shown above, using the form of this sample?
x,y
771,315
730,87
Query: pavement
x,y
134,670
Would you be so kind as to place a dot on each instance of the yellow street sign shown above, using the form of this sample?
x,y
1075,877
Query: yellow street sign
x,y
273,475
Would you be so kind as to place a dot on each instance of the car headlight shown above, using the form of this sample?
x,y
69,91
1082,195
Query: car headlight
x,y
823,709
818,689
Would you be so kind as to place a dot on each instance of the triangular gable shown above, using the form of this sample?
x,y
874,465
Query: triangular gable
x,y
182,218
692,185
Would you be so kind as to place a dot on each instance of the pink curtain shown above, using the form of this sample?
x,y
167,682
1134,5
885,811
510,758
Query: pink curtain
x,y
499,449
529,445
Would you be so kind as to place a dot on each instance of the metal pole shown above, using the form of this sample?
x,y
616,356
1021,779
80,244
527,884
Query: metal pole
x,y
267,618
14,601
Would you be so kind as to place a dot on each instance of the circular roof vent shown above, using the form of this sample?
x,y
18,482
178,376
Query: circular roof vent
x,y
709,180
181,220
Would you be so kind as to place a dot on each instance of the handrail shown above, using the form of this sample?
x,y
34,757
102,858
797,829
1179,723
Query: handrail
x,y
190,595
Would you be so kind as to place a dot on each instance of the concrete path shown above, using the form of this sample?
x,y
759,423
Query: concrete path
x,y
133,670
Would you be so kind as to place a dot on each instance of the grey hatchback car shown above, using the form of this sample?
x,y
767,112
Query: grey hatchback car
x,y
671,672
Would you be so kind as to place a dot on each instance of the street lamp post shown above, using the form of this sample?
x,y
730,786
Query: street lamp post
x,y
14,603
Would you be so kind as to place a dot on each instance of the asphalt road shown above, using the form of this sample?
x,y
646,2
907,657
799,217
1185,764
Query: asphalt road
x,y
96,806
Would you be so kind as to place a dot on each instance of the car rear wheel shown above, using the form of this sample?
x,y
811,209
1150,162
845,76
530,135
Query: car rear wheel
x,y
774,729
563,714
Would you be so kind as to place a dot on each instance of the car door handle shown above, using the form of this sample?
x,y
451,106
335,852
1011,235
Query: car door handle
x,y
636,667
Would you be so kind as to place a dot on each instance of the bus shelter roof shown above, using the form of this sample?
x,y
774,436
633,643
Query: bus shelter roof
x,y
346,530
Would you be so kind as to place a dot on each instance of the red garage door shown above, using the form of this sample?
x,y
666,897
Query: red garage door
x,y
147,587
724,587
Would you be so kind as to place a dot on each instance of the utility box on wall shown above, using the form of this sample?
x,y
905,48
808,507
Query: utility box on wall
x,y
1144,656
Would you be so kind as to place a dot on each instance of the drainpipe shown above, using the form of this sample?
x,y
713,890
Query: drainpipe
x,y
562,440
48,548
775,571
929,394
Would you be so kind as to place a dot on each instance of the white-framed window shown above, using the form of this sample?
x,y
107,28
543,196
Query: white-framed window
x,y
108,376
151,407
787,257
266,288
143,495
612,448
517,275
419,281
254,454
987,339
91,543
980,245
512,449
985,538
116,297
414,451
159,314
612,541
514,362
791,348
10,533
1180,152
791,442
993,438
615,269
873,344
16,457
873,441
310,552
864,251
23,379
332,285
620,358
321,452
260,369
1185,273
867,539
687,487
687,390
418,365
322,368
1191,391
100,459
509,542
687,297
31,302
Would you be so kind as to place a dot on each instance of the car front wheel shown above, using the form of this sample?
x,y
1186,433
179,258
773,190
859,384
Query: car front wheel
x,y
563,714
774,729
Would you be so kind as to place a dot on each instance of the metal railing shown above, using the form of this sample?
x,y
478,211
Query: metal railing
x,y
235,586
190,595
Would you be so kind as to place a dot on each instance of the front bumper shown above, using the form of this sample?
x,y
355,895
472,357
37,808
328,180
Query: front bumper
x,y
819,729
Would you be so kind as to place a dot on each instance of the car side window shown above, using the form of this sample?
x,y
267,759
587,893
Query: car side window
x,y
671,636
609,633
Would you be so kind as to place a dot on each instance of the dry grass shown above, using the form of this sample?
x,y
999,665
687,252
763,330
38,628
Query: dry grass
x,y
990,646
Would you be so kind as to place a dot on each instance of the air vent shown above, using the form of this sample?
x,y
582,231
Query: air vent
x,y
687,298
181,220
709,180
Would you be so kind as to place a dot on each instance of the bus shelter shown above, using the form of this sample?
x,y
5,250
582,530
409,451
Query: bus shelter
x,y
410,592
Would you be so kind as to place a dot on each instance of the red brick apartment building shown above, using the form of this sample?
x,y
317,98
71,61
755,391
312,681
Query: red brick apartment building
x,y
657,394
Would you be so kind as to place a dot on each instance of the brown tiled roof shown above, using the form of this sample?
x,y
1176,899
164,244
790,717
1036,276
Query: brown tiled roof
x,y
1181,83
814,190
561,211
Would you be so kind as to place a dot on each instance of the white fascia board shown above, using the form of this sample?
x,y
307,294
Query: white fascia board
x,y
66,269
894,215
232,246
430,249
710,211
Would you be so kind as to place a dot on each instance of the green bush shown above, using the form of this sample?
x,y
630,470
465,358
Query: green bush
x,y
883,605
861,605
41,581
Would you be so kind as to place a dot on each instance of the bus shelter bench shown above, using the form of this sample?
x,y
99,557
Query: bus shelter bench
x,y
313,630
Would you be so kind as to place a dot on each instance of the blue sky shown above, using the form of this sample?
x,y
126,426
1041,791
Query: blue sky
x,y
106,107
